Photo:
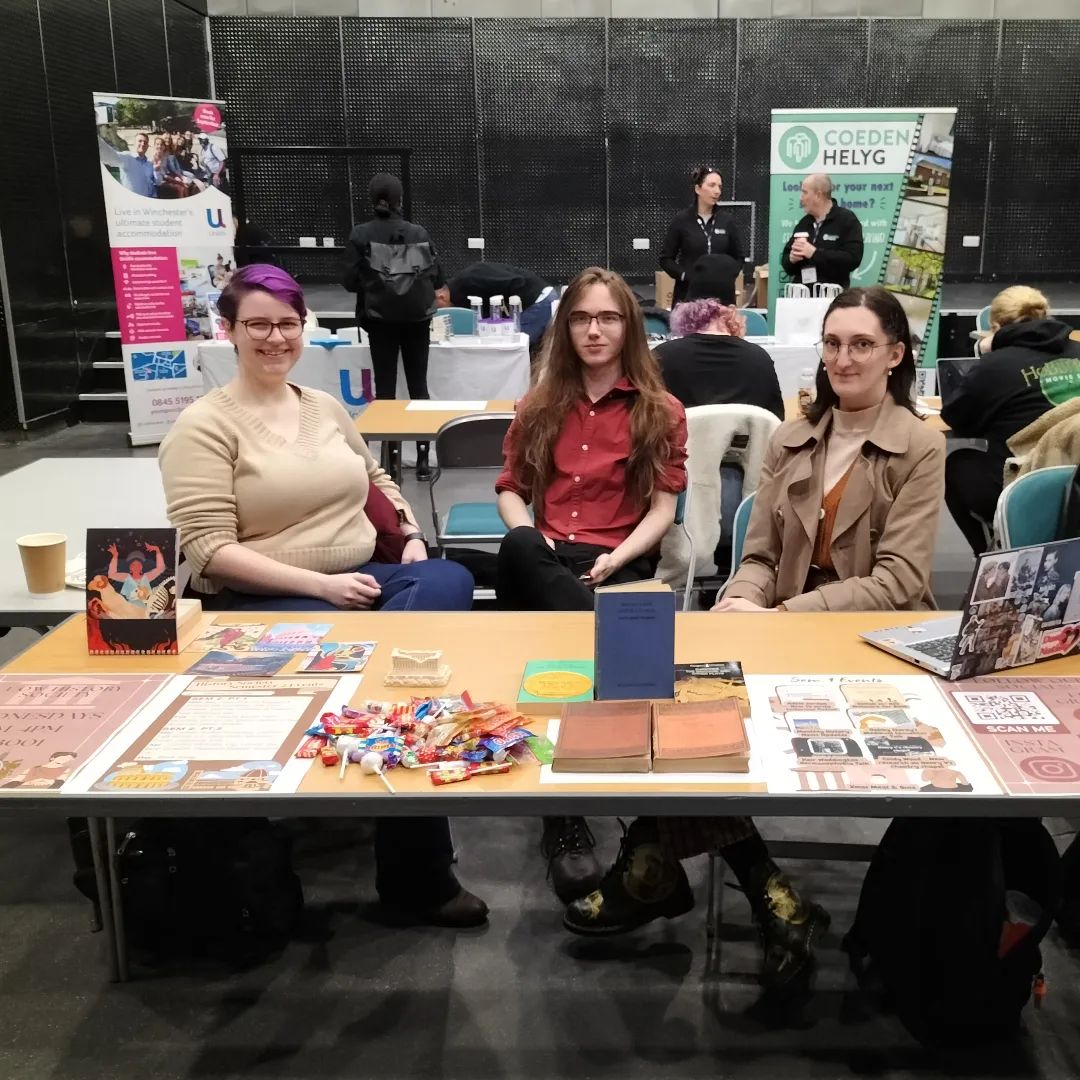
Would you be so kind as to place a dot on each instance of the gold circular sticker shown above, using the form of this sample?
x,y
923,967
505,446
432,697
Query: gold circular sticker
x,y
557,684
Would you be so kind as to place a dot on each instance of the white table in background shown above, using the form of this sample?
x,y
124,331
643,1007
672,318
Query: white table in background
x,y
70,495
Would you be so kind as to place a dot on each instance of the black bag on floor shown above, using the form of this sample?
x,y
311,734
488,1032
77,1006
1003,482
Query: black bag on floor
x,y
215,887
932,921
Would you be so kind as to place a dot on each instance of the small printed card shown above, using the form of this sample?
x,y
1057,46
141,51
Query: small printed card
x,y
241,664
232,637
292,637
338,656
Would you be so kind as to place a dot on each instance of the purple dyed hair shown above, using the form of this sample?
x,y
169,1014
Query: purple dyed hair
x,y
261,277
693,316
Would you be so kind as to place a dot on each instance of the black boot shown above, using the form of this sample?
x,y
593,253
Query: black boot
x,y
568,845
423,469
787,924
644,884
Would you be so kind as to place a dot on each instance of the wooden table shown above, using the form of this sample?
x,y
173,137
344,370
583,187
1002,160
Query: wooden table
x,y
933,420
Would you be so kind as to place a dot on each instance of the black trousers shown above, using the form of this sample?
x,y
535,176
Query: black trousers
x,y
533,577
973,482
413,857
386,340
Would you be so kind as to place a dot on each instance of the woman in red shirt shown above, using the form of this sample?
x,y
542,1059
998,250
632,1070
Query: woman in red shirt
x,y
599,449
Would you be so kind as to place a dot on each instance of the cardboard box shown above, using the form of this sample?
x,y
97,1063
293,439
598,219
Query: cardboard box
x,y
740,291
760,295
665,289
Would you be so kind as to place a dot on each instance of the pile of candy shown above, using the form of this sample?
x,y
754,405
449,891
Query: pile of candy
x,y
452,737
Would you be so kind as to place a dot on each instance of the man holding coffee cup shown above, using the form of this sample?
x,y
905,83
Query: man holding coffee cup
x,y
827,244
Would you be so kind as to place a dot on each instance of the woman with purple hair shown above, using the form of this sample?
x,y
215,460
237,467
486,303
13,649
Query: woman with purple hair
x,y
268,483
711,363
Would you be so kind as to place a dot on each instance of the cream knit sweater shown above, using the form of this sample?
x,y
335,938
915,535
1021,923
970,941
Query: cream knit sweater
x,y
230,479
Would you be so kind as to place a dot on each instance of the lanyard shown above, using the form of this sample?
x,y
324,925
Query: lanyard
x,y
706,228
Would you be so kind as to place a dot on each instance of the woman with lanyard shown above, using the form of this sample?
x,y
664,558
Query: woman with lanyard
x,y
700,229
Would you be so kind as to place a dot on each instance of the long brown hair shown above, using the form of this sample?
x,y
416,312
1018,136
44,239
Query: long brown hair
x,y
561,386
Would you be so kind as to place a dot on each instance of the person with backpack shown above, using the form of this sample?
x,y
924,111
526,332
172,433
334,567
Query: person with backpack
x,y
392,266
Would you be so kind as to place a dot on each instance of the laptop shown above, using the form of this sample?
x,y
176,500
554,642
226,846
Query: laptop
x,y
951,371
1022,606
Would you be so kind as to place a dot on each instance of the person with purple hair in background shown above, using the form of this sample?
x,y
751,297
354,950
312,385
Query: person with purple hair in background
x,y
709,362
268,482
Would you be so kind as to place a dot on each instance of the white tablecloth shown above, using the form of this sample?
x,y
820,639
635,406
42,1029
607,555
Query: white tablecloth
x,y
461,369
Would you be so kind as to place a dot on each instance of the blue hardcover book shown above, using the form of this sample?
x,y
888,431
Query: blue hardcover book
x,y
635,641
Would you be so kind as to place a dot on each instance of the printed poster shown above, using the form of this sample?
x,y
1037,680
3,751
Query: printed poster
x,y
220,735
860,734
1028,729
52,725
165,173
893,169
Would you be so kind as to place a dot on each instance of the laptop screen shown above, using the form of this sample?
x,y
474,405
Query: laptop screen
x,y
950,374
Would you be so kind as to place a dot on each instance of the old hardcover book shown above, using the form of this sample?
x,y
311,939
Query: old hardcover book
x,y
604,736
700,736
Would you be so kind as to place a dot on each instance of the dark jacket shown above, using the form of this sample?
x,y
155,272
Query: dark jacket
x,y
688,239
388,230
488,279
1015,383
716,369
839,246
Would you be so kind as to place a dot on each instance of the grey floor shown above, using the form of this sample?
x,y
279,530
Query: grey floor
x,y
518,999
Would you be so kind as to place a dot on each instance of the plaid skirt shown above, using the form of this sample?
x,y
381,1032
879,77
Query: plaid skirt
x,y
687,836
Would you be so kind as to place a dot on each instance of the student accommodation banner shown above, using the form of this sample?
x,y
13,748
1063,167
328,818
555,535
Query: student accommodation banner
x,y
892,168
164,168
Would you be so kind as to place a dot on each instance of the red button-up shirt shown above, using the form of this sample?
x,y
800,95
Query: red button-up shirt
x,y
587,500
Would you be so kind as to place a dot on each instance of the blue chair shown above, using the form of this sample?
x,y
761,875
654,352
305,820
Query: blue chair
x,y
1029,509
982,320
756,325
680,523
656,326
738,530
462,319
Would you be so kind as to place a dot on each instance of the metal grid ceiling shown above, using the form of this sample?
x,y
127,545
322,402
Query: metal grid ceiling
x,y
789,64
1032,221
409,82
671,107
281,79
188,62
142,61
924,63
540,94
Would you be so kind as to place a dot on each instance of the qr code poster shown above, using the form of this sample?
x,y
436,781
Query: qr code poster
x,y
1007,711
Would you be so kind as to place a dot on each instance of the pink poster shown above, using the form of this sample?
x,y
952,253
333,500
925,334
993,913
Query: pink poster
x,y
148,297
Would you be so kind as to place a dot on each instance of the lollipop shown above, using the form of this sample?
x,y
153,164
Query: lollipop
x,y
372,764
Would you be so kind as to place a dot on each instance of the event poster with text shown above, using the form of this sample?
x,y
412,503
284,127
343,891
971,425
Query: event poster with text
x,y
165,173
892,168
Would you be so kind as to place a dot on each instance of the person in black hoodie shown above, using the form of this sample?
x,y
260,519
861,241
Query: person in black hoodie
x,y
827,244
700,229
1017,380
378,252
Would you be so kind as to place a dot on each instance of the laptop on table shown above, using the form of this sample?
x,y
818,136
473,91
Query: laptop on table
x,y
1022,606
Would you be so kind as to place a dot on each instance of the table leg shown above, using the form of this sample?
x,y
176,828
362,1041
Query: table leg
x,y
119,933
390,459
104,891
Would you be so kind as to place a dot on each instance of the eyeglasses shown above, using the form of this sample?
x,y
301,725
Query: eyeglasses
x,y
859,351
261,329
582,320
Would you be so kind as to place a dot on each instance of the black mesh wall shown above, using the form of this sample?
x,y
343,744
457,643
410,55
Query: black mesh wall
x,y
540,91
1032,222
789,64
671,106
142,59
944,62
282,81
409,82
188,62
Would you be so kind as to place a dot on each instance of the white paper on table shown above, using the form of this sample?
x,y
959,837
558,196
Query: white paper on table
x,y
755,775
446,406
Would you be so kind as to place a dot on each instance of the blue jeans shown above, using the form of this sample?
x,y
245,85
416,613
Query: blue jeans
x,y
433,585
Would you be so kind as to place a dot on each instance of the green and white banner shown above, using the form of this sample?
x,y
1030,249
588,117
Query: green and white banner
x,y
892,168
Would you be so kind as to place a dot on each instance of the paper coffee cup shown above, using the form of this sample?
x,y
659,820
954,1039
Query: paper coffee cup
x,y
801,236
43,557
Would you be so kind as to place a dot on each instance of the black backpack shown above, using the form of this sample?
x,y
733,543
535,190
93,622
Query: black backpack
x,y
929,924
220,888
398,280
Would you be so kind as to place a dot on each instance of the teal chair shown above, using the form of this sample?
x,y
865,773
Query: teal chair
x,y
738,530
982,320
680,523
656,326
462,319
756,326
1029,509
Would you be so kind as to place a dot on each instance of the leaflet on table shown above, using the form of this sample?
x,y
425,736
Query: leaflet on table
x,y
52,725
1027,729
223,735
862,733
